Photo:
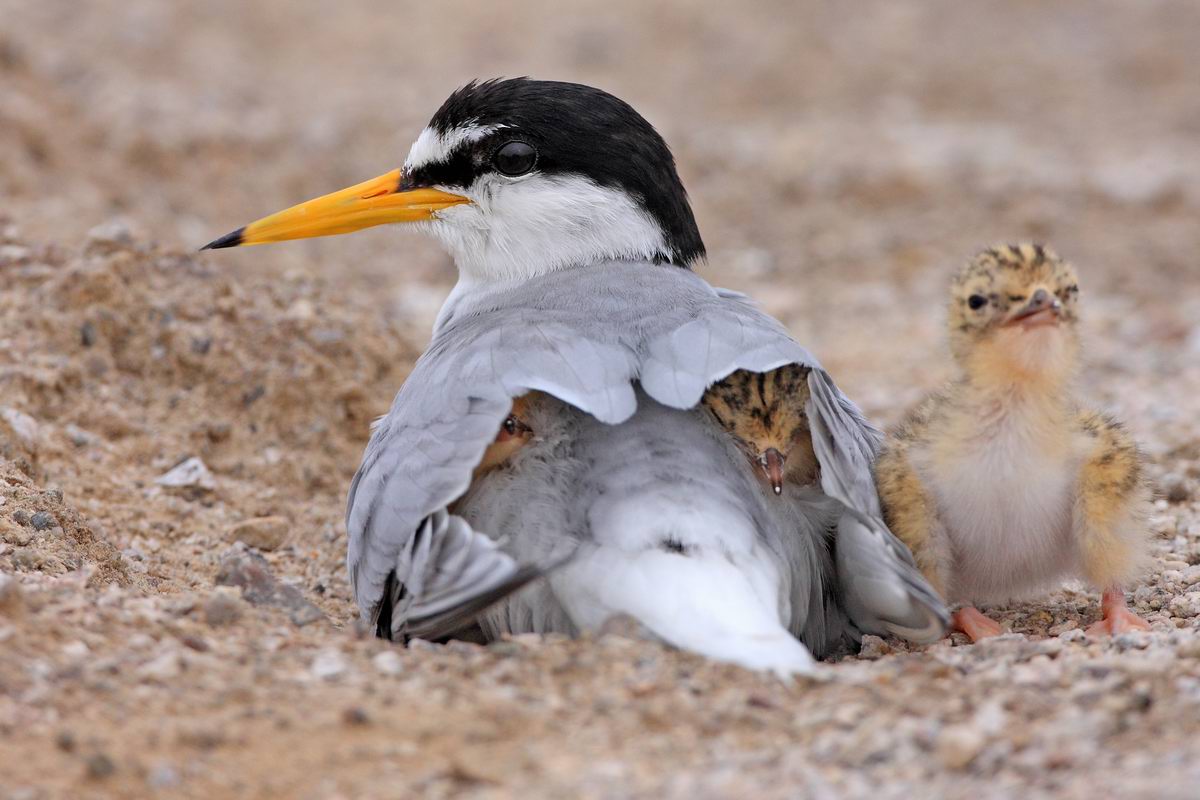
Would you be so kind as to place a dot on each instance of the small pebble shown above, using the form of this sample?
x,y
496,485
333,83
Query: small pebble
x,y
328,665
873,647
109,236
248,570
166,666
1175,489
42,520
189,474
388,662
76,650
1186,605
262,533
11,254
65,741
78,436
1132,640
163,776
24,426
11,598
957,745
100,766
196,643
223,608
26,558
355,715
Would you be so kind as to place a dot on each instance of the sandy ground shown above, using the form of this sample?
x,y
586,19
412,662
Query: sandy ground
x,y
842,163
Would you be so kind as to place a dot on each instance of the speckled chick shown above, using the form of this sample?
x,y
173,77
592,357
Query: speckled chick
x,y
765,413
514,434
1001,484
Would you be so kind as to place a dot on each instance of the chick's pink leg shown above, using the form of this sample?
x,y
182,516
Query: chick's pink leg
x,y
1117,618
974,624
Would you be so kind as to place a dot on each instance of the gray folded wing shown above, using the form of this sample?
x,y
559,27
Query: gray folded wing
x,y
421,456
882,589
585,336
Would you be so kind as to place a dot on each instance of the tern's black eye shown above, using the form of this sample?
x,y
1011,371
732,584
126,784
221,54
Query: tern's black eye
x,y
976,301
515,158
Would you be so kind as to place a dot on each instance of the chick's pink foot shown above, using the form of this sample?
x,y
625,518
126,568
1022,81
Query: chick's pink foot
x,y
1117,617
974,624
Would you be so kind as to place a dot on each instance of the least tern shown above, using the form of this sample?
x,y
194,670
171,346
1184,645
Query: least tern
x,y
608,489
1003,484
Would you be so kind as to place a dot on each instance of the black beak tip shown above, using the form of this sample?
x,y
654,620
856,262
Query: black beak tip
x,y
228,240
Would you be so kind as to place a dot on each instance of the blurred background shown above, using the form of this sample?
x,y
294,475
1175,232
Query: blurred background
x,y
848,159
843,161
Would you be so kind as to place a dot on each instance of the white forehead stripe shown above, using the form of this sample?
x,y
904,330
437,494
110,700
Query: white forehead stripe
x,y
432,146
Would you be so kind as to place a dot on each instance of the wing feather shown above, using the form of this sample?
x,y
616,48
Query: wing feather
x,y
882,588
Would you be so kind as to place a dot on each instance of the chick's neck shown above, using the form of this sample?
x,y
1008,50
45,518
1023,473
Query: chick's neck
x,y
1015,368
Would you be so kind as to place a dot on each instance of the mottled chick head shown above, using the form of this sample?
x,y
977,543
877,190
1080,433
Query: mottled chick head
x,y
1015,308
767,417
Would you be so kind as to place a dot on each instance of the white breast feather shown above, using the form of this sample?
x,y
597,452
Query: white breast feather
x,y
1005,502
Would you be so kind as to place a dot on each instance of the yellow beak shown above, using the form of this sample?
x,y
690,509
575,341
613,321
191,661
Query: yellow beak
x,y
374,202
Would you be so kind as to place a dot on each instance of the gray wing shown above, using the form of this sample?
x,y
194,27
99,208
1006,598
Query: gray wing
x,y
879,583
415,568
882,588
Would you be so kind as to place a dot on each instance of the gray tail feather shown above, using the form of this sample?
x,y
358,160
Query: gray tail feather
x,y
465,614
883,589
446,621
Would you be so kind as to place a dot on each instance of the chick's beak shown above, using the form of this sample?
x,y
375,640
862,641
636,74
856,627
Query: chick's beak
x,y
1042,307
374,202
772,462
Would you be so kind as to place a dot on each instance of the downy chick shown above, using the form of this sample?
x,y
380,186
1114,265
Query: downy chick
x,y
765,413
1001,484
514,434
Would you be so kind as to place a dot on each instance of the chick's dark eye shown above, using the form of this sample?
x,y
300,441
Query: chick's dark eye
x,y
515,158
976,301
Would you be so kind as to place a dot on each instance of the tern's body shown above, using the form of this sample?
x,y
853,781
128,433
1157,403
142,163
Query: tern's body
x,y
629,473
616,493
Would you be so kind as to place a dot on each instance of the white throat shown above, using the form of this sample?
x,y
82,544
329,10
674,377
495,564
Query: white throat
x,y
517,228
